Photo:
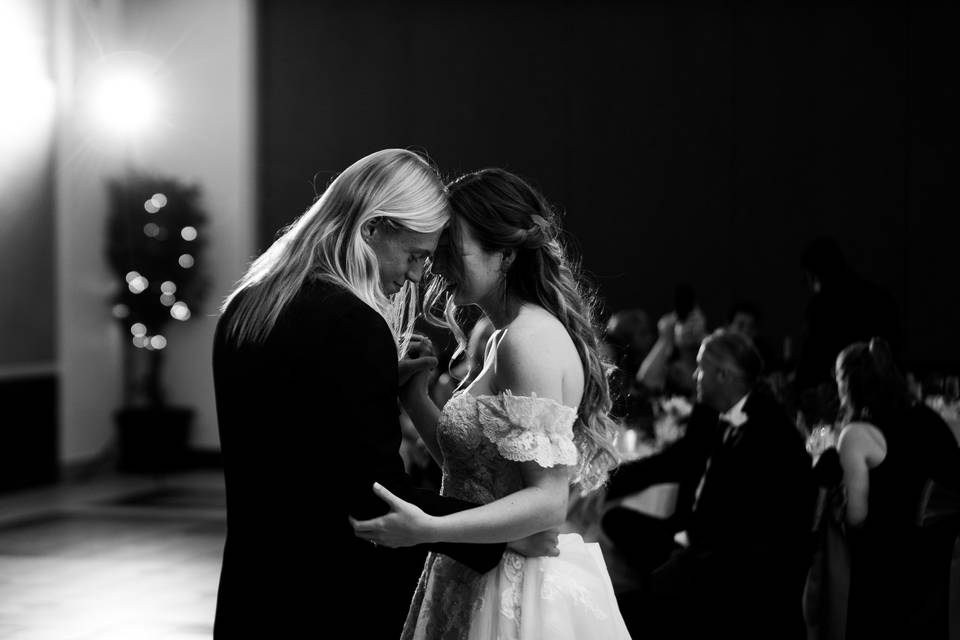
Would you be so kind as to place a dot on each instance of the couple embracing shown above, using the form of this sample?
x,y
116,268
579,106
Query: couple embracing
x,y
314,348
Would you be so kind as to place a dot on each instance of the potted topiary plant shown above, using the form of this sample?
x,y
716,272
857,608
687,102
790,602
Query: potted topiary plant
x,y
155,233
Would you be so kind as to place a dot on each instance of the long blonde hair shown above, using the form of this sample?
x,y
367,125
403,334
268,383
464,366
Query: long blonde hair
x,y
397,185
506,212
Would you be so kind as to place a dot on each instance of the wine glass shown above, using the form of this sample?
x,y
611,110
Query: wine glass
x,y
822,437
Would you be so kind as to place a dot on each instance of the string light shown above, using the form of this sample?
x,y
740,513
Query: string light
x,y
139,285
186,260
180,311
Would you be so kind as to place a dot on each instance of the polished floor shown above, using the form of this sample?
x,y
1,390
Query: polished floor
x,y
119,558
138,558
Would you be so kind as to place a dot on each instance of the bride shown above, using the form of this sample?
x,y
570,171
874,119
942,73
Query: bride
x,y
527,428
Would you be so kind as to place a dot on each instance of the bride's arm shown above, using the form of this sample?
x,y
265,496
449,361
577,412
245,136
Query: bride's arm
x,y
524,365
540,505
415,397
424,414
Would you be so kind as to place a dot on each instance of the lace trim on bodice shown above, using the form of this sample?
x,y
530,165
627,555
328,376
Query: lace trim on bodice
x,y
527,428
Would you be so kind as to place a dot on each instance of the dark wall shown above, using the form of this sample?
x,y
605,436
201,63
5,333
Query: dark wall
x,y
684,144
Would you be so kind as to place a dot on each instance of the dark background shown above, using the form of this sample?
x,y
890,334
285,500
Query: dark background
x,y
685,143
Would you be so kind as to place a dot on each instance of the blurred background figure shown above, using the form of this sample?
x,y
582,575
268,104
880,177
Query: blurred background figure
x,y
746,499
669,366
627,339
891,448
745,318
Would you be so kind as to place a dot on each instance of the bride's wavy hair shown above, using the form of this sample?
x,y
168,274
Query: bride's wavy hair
x,y
399,187
507,213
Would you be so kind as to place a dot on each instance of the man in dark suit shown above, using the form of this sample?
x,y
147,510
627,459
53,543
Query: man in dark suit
x,y
742,569
308,414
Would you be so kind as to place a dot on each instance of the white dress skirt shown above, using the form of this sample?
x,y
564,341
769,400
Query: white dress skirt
x,y
567,597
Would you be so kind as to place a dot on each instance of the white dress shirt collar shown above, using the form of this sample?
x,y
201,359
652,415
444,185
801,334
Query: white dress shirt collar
x,y
735,415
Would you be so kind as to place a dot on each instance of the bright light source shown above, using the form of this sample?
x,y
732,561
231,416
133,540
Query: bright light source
x,y
132,275
159,200
150,206
168,287
186,260
167,299
180,311
139,329
188,233
140,342
158,342
124,101
27,107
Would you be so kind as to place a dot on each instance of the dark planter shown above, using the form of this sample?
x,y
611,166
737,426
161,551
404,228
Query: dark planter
x,y
153,439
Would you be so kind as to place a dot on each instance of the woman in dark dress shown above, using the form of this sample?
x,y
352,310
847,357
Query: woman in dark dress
x,y
890,446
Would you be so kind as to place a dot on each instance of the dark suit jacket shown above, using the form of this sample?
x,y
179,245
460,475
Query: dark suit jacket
x,y
308,421
681,462
750,529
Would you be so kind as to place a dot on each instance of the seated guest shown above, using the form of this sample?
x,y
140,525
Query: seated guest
x,y
742,572
889,447
627,339
668,368
744,318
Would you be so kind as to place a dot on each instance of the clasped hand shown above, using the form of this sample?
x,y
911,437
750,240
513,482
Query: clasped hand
x,y
421,358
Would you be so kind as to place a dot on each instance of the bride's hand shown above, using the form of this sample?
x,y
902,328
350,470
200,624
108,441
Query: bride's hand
x,y
404,526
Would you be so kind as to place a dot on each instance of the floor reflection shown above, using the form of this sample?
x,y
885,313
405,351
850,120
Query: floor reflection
x,y
121,557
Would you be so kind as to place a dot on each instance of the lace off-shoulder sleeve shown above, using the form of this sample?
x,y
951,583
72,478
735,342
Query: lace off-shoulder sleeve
x,y
528,428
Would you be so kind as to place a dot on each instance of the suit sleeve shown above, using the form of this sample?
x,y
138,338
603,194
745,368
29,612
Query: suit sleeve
x,y
683,461
367,392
